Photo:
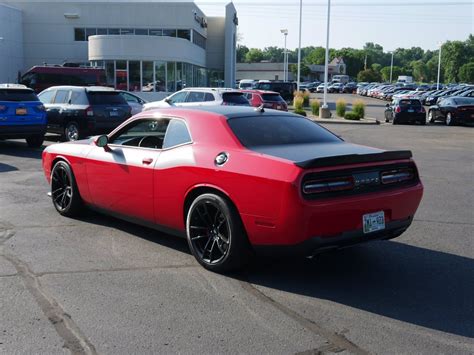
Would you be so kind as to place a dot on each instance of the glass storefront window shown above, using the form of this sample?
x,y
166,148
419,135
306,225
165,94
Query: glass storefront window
x,y
90,32
141,31
79,34
110,72
147,76
186,34
101,31
170,76
155,32
187,76
121,76
114,31
127,31
134,75
179,76
160,76
169,33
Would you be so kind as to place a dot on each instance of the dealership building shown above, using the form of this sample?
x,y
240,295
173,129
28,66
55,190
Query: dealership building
x,y
152,45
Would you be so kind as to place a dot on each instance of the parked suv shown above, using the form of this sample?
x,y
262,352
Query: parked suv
x,y
76,112
200,97
284,88
268,99
22,115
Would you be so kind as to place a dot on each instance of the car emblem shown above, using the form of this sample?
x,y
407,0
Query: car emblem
x,y
221,158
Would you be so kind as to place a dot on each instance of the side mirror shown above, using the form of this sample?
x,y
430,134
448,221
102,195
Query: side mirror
x,y
168,101
102,141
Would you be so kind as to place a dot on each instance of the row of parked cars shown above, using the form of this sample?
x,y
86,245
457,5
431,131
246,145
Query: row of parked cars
x,y
453,104
75,112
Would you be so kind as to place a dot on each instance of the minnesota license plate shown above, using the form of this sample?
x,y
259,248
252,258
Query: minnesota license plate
x,y
373,222
113,114
20,111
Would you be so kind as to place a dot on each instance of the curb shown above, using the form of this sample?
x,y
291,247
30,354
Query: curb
x,y
364,121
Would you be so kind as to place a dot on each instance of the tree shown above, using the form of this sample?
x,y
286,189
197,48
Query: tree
x,y
466,73
385,71
376,67
316,56
353,58
273,54
368,75
453,56
304,70
241,51
254,55
420,71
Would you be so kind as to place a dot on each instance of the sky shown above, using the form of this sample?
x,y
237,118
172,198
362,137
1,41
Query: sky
x,y
392,24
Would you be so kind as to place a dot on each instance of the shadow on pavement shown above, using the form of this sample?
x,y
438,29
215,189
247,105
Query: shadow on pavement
x,y
408,283
19,149
4,168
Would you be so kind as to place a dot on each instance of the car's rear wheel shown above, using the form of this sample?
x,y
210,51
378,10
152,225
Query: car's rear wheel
x,y
71,131
35,141
64,191
449,119
216,235
431,116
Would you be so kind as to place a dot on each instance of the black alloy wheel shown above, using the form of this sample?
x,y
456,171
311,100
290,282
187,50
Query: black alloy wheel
x,y
431,116
215,234
449,119
64,192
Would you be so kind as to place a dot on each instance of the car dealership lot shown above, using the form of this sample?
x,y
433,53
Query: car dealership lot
x,y
98,284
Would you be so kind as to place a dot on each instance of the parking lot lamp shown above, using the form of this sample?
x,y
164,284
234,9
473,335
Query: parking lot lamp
x,y
326,61
391,68
439,64
299,48
285,59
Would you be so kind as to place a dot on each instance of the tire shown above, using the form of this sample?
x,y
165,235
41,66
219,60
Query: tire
x,y
423,122
71,132
64,192
215,234
35,141
431,116
449,119
395,121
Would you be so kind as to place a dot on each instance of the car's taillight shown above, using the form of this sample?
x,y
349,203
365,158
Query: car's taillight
x,y
397,175
398,109
328,185
3,108
89,111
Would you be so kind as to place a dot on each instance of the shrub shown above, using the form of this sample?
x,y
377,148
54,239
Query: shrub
x,y
298,105
315,104
351,115
341,107
306,98
358,107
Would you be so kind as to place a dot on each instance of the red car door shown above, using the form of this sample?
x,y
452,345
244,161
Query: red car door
x,y
120,177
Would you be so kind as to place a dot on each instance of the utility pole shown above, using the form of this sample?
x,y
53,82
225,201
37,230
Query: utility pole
x,y
299,49
324,111
439,64
391,68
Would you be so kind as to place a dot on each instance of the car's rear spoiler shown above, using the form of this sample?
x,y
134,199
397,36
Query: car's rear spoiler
x,y
354,159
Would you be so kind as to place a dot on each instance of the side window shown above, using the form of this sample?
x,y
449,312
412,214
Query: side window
x,y
78,98
146,133
176,134
130,98
61,96
195,96
46,97
178,97
209,97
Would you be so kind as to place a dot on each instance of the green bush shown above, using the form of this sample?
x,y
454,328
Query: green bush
x,y
351,115
358,107
298,105
315,104
341,107
306,98
301,112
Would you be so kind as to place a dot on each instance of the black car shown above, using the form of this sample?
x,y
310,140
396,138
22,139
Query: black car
x,y
284,88
453,110
76,112
405,111
432,99
349,88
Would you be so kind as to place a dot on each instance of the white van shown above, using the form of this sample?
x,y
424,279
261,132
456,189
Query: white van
x,y
247,83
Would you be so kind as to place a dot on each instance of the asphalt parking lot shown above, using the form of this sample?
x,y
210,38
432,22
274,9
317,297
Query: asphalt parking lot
x,y
101,285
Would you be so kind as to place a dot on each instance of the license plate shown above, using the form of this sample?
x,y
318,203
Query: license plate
x,y
410,110
373,222
278,107
21,111
113,114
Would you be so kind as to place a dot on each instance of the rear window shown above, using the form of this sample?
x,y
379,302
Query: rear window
x,y
105,98
17,95
404,103
258,131
272,97
234,98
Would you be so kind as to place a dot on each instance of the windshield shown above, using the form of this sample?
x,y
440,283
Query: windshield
x,y
464,101
257,131
105,98
272,97
234,98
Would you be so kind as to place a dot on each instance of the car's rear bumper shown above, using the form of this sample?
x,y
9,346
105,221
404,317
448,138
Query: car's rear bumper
x,y
21,131
318,244
410,117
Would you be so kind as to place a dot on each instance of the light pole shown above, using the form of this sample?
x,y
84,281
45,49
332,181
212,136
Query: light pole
x,y
326,61
299,49
391,68
439,64
285,59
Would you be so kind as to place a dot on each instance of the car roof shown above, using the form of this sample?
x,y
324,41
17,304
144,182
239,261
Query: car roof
x,y
256,91
86,88
210,89
14,87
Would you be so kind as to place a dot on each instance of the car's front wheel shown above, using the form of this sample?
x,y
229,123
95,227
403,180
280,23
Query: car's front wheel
x,y
35,141
431,117
64,191
71,131
449,119
216,235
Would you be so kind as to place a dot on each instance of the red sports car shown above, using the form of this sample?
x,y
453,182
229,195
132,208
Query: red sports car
x,y
235,179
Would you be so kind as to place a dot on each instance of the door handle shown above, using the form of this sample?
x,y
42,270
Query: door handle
x,y
147,161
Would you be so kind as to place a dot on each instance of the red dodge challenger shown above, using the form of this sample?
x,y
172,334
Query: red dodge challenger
x,y
235,179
